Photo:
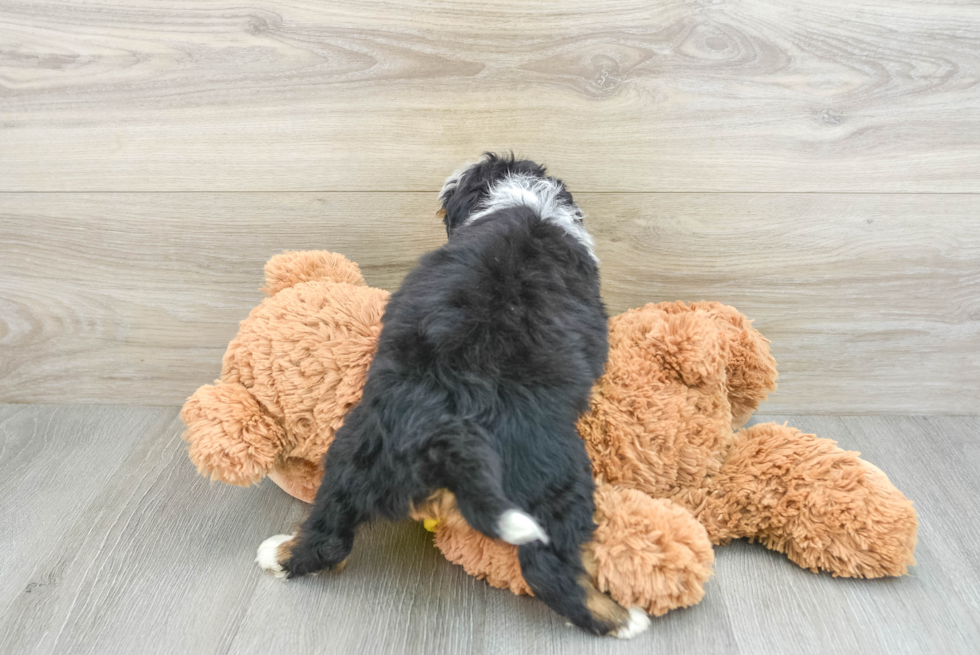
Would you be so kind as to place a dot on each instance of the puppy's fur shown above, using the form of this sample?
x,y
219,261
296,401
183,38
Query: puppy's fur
x,y
485,361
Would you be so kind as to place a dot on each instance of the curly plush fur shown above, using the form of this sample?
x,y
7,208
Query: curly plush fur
x,y
674,471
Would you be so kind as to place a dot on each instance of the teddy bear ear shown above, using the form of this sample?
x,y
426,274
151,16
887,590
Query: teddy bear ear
x,y
751,371
293,267
692,345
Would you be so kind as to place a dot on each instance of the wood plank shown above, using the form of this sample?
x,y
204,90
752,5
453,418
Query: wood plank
x,y
760,95
139,308
401,596
143,537
872,302
112,543
396,595
40,449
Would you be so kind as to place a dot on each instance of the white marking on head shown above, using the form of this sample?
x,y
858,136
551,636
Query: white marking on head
x,y
637,623
517,527
452,182
541,195
268,555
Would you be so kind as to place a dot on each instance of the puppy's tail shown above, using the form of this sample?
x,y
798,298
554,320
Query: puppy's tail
x,y
458,457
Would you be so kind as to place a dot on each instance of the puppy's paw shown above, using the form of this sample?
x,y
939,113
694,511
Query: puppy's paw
x,y
270,555
637,623
517,527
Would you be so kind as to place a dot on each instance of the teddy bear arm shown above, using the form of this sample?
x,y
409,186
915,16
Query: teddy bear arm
x,y
230,437
824,507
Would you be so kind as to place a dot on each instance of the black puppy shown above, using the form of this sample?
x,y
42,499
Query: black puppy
x,y
485,361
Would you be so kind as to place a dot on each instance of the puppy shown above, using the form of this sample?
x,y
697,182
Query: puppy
x,y
486,358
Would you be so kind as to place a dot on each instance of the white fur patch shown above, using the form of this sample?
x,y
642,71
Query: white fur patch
x,y
541,195
517,527
268,555
638,622
452,182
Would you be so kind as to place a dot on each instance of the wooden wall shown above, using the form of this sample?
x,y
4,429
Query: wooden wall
x,y
816,164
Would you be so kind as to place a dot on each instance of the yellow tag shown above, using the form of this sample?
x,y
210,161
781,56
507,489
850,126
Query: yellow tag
x,y
430,524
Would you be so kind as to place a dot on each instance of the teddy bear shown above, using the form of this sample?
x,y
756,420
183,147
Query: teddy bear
x,y
676,472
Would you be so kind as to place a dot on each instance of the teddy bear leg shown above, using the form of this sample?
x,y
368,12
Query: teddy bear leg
x,y
825,508
229,436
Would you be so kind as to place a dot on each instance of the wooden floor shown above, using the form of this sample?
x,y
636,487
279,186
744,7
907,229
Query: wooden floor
x,y
111,543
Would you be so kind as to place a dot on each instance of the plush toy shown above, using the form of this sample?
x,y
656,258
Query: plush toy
x,y
674,471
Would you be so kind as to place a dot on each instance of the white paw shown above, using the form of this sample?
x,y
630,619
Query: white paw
x,y
268,556
517,527
638,622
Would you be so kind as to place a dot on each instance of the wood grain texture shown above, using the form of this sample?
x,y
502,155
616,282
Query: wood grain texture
x,y
681,95
112,543
872,302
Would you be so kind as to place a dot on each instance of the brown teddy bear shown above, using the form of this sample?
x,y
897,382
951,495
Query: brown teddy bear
x,y
674,471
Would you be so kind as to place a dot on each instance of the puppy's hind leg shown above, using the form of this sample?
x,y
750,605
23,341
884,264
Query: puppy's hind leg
x,y
561,573
458,456
326,537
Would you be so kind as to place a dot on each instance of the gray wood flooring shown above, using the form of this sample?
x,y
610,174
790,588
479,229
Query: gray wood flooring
x,y
111,543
